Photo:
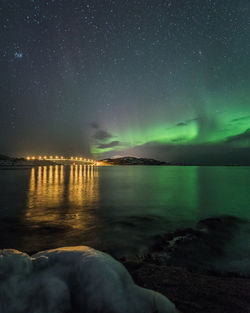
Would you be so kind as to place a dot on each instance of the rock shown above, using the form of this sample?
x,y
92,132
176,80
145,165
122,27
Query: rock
x,y
75,280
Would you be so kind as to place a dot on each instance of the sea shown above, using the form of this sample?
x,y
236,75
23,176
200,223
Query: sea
x,y
118,209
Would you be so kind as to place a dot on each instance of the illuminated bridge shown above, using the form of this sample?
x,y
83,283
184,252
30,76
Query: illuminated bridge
x,y
61,160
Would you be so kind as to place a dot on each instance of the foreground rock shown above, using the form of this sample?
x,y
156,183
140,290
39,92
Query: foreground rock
x,y
72,280
216,244
201,270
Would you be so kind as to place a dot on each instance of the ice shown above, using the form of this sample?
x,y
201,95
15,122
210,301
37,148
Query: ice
x,y
75,280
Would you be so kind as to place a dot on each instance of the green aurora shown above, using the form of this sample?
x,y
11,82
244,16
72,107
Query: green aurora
x,y
229,126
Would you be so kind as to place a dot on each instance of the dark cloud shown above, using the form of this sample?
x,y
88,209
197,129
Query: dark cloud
x,y
196,154
95,125
242,118
109,145
206,124
102,135
181,124
186,122
243,136
180,139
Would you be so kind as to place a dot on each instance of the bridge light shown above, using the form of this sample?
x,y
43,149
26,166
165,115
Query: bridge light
x,y
80,159
28,158
76,158
33,158
39,158
51,157
71,158
62,157
45,157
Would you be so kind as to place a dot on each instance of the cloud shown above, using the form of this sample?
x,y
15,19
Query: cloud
x,y
242,118
102,135
95,125
109,145
186,122
180,139
222,153
243,136
181,124
102,139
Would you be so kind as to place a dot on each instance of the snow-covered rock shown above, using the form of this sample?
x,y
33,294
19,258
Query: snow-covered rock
x,y
75,280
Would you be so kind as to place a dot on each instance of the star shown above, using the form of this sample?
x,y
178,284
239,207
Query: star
x,y
18,55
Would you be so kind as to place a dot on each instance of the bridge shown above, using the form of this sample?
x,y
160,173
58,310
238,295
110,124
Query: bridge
x,y
61,160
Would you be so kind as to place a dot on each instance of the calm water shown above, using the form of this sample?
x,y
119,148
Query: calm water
x,y
117,209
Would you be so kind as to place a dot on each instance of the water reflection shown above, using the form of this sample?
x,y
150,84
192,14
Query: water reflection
x,y
117,208
83,192
46,190
170,192
58,194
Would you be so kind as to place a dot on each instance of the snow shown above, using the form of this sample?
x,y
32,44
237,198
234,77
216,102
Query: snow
x,y
75,280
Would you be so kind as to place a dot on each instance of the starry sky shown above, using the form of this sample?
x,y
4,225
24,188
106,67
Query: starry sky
x,y
167,79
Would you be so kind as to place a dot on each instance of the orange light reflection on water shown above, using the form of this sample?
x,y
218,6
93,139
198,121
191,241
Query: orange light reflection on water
x,y
58,195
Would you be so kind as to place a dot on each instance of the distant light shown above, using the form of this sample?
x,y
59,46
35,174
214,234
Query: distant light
x,y
40,158
80,159
51,157
62,157
28,158
56,157
45,157
33,158
71,158
76,158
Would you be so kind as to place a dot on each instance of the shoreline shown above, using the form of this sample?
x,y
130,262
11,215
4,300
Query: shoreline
x,y
182,266
193,292
171,267
21,167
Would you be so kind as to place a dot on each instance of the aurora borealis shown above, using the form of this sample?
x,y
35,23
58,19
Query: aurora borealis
x,y
149,78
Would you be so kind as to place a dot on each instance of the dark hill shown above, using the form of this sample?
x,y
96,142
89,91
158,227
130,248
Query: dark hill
x,y
132,161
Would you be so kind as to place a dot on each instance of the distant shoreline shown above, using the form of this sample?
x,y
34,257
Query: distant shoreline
x,y
21,163
27,167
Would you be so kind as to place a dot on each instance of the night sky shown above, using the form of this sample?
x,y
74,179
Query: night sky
x,y
148,78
